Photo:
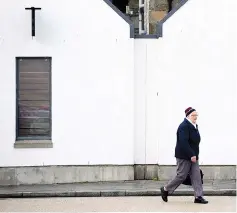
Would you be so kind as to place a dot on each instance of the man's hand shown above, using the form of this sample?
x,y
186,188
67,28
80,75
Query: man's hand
x,y
194,159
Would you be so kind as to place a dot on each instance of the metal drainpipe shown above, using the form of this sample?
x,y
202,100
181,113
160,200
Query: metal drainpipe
x,y
147,15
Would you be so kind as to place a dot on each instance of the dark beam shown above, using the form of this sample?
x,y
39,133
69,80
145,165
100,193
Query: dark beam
x,y
33,9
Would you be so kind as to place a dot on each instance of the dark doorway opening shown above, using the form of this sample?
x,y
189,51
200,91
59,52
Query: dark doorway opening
x,y
120,4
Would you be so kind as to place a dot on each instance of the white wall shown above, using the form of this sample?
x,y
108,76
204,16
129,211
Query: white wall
x,y
109,108
92,81
194,64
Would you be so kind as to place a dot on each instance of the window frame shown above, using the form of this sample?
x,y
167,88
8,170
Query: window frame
x,y
37,139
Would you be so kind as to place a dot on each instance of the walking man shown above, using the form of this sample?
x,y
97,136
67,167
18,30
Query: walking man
x,y
186,153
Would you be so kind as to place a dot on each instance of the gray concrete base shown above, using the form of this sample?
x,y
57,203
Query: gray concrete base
x,y
78,174
163,172
64,174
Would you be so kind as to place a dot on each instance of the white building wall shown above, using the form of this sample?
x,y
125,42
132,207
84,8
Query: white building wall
x,y
194,64
117,100
92,81
140,82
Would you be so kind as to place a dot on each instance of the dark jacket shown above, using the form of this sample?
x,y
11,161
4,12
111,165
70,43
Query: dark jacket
x,y
188,139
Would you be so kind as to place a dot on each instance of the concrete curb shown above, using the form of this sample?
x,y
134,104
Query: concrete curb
x,y
111,193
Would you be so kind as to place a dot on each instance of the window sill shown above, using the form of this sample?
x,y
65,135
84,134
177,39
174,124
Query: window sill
x,y
33,144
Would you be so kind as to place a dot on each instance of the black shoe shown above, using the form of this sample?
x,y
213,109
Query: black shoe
x,y
164,194
200,200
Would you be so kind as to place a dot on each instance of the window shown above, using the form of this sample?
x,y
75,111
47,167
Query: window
x,y
33,116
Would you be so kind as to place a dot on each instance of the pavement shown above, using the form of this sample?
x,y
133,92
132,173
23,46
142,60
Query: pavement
x,y
114,189
117,204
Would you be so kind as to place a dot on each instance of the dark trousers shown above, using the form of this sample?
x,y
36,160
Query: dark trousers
x,y
183,168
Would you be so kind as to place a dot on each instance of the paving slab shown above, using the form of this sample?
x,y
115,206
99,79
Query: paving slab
x,y
114,189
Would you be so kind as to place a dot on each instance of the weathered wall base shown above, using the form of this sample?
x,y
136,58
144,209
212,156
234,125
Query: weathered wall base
x,y
75,174
64,174
162,172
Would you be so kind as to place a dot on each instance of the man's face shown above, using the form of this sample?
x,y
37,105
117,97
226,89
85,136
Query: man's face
x,y
193,116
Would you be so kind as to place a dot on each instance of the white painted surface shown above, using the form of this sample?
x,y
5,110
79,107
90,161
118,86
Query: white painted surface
x,y
194,64
105,104
92,81
140,102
